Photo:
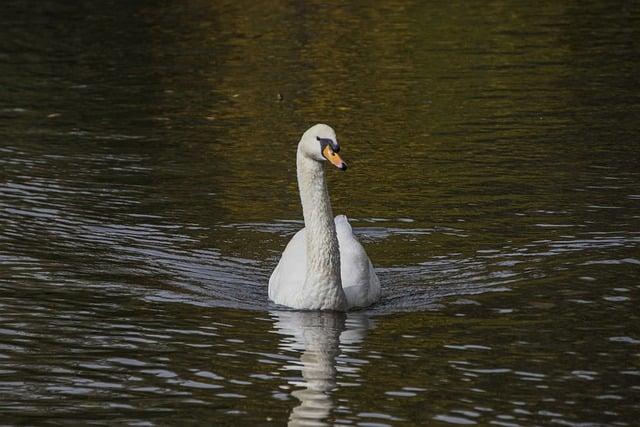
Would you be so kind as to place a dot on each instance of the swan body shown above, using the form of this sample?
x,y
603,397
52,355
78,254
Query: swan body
x,y
323,267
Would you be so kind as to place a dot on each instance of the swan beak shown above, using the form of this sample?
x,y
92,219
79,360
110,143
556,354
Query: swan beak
x,y
334,158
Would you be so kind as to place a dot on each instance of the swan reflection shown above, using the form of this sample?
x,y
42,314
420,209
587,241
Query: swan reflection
x,y
319,338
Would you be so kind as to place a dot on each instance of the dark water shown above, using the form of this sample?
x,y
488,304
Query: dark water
x,y
147,188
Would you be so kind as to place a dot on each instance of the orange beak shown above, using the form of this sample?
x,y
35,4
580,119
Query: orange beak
x,y
334,158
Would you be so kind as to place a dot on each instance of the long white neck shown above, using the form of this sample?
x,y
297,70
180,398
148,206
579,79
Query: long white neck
x,y
323,253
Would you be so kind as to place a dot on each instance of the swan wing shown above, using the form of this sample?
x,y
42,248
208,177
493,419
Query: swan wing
x,y
359,280
289,274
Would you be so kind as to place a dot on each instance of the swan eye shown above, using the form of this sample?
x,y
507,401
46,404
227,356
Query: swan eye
x,y
330,142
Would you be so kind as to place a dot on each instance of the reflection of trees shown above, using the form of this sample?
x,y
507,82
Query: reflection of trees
x,y
444,101
319,337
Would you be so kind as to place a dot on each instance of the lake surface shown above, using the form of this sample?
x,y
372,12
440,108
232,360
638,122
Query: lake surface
x,y
147,189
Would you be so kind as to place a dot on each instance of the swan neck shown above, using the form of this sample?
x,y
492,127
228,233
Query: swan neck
x,y
323,255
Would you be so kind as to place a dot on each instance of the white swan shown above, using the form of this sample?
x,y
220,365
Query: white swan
x,y
323,267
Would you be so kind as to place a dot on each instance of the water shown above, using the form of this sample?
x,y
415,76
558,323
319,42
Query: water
x,y
147,188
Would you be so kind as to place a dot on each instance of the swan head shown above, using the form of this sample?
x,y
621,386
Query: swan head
x,y
319,143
